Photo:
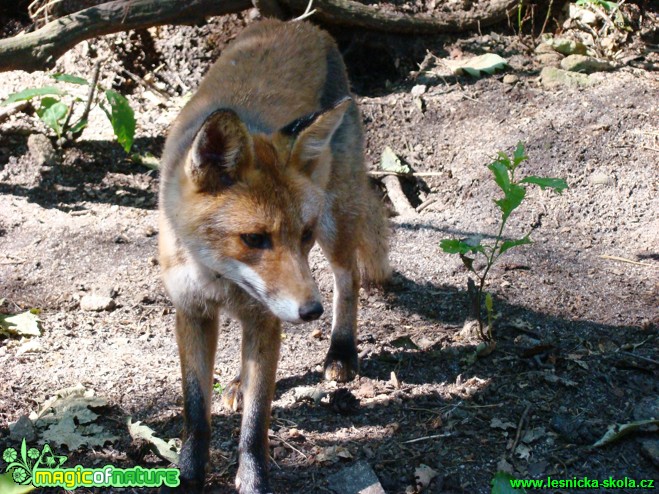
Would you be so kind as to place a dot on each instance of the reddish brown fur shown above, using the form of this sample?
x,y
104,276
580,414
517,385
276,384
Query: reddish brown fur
x,y
243,199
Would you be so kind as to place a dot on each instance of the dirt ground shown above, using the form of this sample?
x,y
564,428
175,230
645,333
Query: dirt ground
x,y
578,310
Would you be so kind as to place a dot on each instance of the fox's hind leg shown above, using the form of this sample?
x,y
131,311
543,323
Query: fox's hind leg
x,y
354,237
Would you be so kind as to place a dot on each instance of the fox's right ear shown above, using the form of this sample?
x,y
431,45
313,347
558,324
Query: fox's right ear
x,y
221,150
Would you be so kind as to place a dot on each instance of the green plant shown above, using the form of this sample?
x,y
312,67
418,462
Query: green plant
x,y
605,4
58,108
514,191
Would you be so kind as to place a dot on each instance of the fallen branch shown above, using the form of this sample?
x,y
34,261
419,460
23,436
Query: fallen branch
x,y
40,49
622,259
411,174
398,198
354,14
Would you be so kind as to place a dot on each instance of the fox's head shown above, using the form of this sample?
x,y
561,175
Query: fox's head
x,y
250,205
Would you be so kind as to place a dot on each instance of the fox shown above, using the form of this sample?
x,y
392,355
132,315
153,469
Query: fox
x,y
265,160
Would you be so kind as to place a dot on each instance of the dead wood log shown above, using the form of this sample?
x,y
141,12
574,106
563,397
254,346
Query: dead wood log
x,y
355,14
40,49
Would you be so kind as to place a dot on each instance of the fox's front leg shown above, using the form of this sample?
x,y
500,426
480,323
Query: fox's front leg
x,y
260,353
340,248
196,336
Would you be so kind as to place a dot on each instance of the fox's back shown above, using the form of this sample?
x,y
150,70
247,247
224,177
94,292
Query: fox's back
x,y
271,74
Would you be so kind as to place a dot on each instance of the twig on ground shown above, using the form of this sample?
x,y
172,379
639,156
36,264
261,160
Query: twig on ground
x,y
425,204
148,84
425,438
520,427
622,259
640,357
383,173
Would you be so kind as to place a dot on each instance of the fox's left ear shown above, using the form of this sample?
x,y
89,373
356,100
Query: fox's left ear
x,y
313,134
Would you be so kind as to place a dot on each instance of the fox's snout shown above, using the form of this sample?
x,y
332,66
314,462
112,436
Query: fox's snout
x,y
291,309
311,311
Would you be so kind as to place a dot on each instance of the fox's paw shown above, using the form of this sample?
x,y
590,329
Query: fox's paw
x,y
232,396
341,366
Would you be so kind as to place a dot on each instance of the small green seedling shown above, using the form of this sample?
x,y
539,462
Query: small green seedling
x,y
58,108
218,388
514,191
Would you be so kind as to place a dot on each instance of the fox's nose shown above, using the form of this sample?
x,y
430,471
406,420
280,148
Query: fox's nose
x,y
311,311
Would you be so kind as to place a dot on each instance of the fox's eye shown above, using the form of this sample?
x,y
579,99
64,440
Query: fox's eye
x,y
307,235
257,240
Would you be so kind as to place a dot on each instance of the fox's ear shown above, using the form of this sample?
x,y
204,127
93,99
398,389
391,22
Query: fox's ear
x,y
221,150
314,132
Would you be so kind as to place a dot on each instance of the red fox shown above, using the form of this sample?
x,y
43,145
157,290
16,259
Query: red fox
x,y
265,160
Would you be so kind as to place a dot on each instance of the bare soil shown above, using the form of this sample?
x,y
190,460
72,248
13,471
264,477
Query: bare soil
x,y
577,310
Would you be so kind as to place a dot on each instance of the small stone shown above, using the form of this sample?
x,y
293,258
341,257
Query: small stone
x,y
650,449
146,297
31,346
42,150
22,429
585,16
553,78
549,59
96,303
510,79
418,90
601,179
356,479
587,65
567,46
317,333
544,48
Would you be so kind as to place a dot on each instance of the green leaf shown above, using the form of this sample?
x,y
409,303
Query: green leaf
x,y
454,246
519,155
488,302
146,159
8,486
512,200
390,162
53,113
73,79
558,184
501,484
488,63
122,118
28,94
24,324
78,126
504,159
509,244
501,176
616,431
164,449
